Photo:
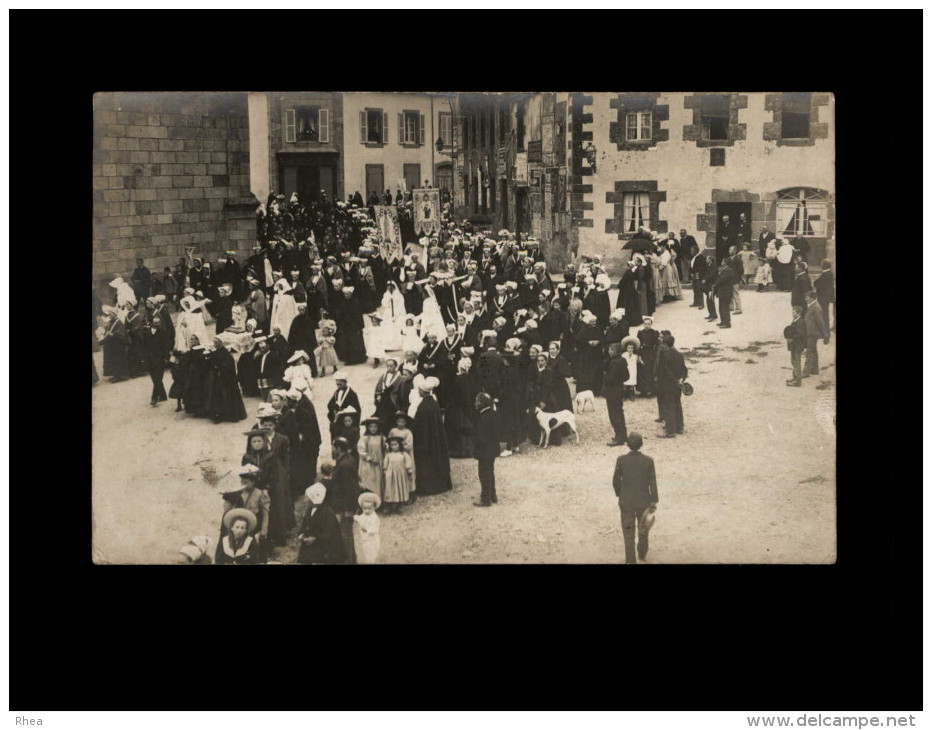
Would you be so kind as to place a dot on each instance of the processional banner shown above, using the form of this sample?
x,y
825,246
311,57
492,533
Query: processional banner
x,y
427,211
386,220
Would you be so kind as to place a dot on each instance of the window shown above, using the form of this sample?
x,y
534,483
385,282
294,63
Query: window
x,y
715,116
801,212
446,129
636,211
373,126
639,126
796,116
502,122
307,124
411,128
465,127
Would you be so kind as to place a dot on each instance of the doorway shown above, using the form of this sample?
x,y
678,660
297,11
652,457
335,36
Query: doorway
x,y
412,175
735,234
307,181
375,180
520,209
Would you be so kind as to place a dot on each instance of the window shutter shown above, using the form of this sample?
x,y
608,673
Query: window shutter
x,y
420,137
289,125
323,125
362,125
384,127
401,128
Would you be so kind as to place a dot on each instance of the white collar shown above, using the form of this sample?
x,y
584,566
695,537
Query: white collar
x,y
228,549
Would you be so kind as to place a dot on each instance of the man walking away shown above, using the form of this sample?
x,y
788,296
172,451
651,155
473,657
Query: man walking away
x,y
635,484
613,388
825,290
486,448
795,334
815,331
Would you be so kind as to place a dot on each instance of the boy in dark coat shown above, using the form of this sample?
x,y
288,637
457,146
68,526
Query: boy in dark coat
x,y
795,334
613,388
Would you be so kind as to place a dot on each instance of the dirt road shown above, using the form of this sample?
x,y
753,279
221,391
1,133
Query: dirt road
x,y
751,481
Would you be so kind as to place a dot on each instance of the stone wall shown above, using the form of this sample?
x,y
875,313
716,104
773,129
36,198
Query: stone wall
x,y
170,170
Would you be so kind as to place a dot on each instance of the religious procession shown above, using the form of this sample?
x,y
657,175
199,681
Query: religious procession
x,y
373,356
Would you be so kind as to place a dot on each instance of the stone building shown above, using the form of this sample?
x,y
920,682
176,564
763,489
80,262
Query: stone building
x,y
685,160
511,166
170,172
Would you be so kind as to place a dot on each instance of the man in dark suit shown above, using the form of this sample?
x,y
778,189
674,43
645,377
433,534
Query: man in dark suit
x,y
671,372
825,289
726,237
613,388
686,249
486,448
709,275
635,484
491,368
766,236
801,285
816,330
724,290
796,341
742,231
697,269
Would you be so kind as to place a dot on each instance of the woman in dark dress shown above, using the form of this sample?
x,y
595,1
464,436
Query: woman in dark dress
x,y
223,399
460,416
194,370
511,407
587,366
349,321
431,458
650,341
305,446
319,533
273,478
247,370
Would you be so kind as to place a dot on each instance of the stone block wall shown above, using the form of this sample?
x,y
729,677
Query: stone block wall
x,y
170,170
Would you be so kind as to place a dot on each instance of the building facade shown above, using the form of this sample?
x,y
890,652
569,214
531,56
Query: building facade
x,y
685,160
170,174
390,141
512,166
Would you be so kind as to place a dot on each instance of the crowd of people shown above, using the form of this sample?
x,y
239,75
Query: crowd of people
x,y
479,342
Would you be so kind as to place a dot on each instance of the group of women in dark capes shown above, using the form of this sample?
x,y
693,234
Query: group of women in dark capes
x,y
206,383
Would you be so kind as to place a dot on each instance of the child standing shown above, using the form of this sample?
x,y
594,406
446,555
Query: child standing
x,y
631,357
324,352
749,263
368,523
371,453
764,276
402,431
399,474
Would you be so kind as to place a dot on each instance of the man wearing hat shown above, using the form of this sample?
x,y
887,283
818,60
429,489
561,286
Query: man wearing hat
x,y
342,398
486,448
491,367
635,485
613,388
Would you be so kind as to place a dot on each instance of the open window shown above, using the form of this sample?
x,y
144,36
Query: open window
x,y
373,126
307,124
796,112
715,116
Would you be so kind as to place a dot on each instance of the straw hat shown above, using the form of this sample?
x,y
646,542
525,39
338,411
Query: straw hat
x,y
367,497
631,341
240,513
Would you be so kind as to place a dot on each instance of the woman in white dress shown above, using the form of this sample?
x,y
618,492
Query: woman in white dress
x,y
190,322
374,337
393,317
431,318
669,279
284,307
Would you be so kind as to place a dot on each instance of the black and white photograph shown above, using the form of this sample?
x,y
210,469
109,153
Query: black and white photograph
x,y
530,327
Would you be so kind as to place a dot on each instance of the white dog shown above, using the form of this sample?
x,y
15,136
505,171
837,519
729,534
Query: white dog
x,y
560,417
584,397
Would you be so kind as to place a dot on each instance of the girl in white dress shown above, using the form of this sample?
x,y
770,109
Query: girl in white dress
x,y
368,523
298,374
410,337
284,307
631,357
373,336
393,317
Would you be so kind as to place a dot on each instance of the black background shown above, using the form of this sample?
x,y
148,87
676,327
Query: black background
x,y
606,637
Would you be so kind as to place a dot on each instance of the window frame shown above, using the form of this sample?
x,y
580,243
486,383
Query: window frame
x,y
383,127
447,138
801,199
630,225
791,103
640,126
705,117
